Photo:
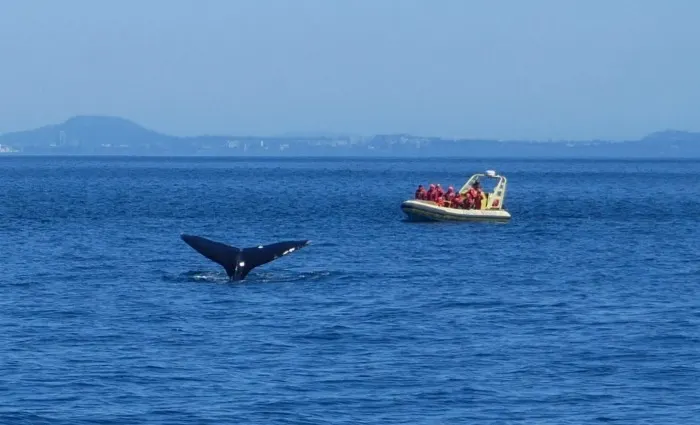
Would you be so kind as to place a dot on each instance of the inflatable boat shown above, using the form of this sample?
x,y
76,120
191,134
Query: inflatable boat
x,y
491,204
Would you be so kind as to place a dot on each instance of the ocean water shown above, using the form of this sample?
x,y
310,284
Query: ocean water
x,y
584,308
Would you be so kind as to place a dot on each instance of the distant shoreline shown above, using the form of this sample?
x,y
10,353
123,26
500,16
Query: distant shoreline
x,y
114,136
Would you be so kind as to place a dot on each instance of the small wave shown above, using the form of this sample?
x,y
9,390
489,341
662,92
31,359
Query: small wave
x,y
295,276
197,276
261,277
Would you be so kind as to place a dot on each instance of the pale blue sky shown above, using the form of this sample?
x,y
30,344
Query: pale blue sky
x,y
611,69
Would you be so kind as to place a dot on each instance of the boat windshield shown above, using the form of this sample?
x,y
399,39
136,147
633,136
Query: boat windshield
x,y
488,184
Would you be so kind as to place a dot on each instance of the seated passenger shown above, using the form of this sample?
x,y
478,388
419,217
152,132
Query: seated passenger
x,y
439,190
429,195
474,196
457,201
450,194
479,196
437,193
466,201
420,192
440,201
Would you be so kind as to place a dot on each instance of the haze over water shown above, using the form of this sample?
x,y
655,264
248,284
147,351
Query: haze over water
x,y
538,69
583,309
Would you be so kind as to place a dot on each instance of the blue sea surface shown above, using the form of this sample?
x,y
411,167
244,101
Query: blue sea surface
x,y
584,308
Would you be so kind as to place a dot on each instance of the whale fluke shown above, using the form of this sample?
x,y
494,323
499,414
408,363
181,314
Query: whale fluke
x,y
239,262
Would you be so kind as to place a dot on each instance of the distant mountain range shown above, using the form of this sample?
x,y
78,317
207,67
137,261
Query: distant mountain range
x,y
103,135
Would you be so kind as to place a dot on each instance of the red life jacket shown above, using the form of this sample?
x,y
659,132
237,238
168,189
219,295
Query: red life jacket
x,y
474,197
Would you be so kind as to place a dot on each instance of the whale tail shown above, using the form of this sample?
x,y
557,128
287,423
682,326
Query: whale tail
x,y
239,262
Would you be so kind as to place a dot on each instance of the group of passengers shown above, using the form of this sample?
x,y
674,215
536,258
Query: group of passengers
x,y
469,200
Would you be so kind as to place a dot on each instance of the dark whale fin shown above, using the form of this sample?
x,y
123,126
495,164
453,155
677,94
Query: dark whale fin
x,y
239,262
217,252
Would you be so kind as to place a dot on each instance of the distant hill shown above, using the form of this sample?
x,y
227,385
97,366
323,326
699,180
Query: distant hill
x,y
103,135
672,136
87,133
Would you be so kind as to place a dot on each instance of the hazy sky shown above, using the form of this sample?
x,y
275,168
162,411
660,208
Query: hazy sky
x,y
612,69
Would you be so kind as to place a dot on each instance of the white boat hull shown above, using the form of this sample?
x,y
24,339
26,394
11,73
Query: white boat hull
x,y
419,210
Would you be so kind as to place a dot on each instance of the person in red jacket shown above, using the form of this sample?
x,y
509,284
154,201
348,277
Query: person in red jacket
x,y
474,196
440,192
450,194
430,193
457,201
420,192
